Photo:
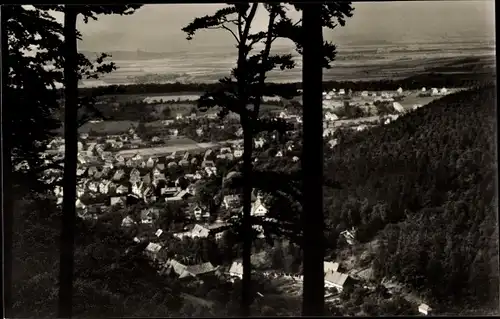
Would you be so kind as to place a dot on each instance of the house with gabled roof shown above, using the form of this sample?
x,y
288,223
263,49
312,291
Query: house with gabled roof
x,y
424,309
148,215
198,212
128,221
152,250
137,188
93,187
198,270
150,162
79,204
258,209
349,236
171,156
175,266
134,172
118,175
231,201
119,158
81,159
259,143
337,280
236,270
169,191
80,190
198,231
104,186
130,163
183,162
330,267
171,164
80,171
238,153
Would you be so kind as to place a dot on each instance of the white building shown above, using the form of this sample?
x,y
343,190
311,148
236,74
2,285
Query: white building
x,y
238,153
361,127
398,107
331,116
236,270
330,267
424,309
336,280
153,248
258,209
333,142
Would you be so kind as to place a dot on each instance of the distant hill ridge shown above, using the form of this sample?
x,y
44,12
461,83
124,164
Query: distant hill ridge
x,y
130,55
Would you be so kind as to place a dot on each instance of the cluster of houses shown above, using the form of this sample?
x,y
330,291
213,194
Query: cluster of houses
x,y
117,177
365,100
375,94
157,253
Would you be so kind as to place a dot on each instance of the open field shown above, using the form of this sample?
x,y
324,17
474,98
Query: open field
x,y
114,127
174,145
121,126
110,127
183,96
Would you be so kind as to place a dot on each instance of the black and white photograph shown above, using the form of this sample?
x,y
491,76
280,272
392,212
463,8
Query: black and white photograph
x,y
249,159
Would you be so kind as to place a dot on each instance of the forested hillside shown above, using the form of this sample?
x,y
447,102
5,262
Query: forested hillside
x,y
424,186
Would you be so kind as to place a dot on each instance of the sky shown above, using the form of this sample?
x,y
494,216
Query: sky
x,y
157,27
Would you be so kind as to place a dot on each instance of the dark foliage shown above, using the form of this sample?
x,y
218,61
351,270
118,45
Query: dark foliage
x,y
427,181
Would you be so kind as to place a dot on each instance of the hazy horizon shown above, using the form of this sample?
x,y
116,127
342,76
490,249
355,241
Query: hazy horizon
x,y
157,27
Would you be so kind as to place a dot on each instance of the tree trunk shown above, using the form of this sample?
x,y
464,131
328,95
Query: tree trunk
x,y
312,164
70,163
7,198
246,224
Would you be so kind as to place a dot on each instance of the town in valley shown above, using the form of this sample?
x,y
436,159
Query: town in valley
x,y
172,198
